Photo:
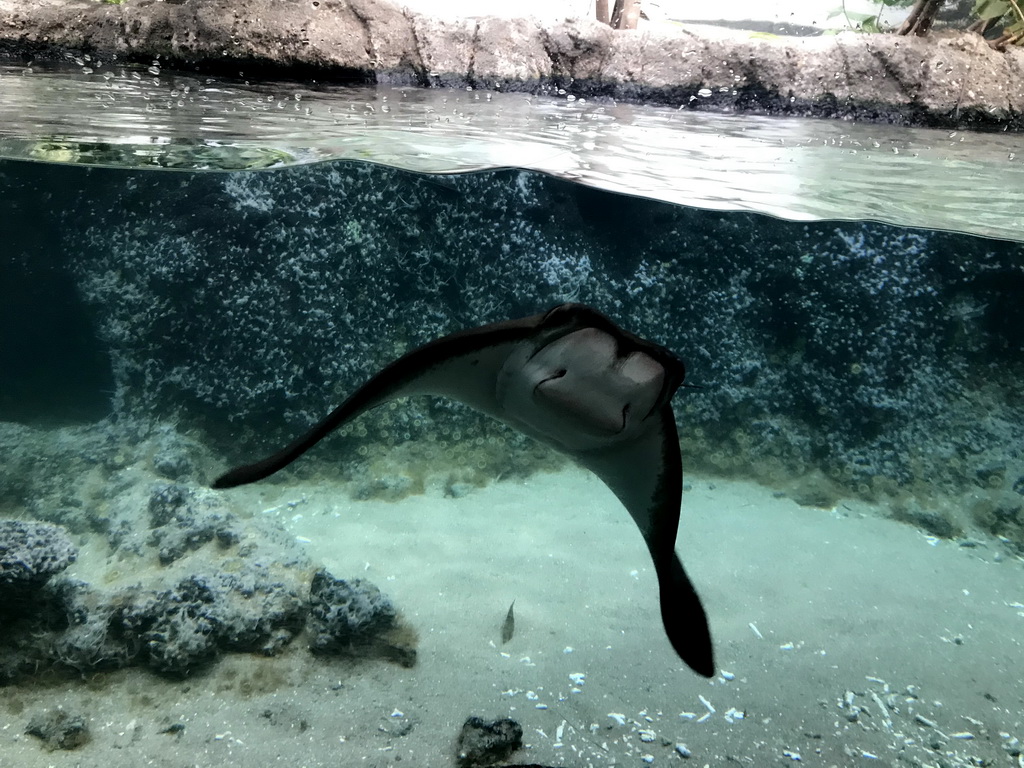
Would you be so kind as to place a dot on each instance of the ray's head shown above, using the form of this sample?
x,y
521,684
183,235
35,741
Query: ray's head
x,y
587,388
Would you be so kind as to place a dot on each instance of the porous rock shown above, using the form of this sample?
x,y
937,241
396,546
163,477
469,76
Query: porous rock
x,y
185,518
343,612
59,729
32,552
174,631
483,743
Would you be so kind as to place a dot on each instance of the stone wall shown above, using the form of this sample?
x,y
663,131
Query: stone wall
x,y
944,80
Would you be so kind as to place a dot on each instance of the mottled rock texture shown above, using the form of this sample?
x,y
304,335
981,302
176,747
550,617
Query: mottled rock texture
x,y
31,552
951,80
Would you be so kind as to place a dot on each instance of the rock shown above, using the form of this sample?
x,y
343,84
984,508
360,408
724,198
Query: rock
x,y
186,627
932,521
171,463
343,612
387,487
32,552
990,474
174,631
947,79
59,729
482,743
185,518
353,616
456,490
176,456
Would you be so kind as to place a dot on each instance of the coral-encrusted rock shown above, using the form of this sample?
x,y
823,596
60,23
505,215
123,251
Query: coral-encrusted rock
x,y
30,553
482,743
343,612
59,729
185,518
353,616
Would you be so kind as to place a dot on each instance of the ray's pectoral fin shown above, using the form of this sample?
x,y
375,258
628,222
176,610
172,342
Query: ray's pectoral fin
x,y
462,366
646,475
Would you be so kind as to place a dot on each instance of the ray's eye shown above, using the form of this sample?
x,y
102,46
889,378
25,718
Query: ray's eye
x,y
625,414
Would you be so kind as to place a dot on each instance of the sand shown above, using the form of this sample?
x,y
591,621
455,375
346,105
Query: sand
x,y
815,613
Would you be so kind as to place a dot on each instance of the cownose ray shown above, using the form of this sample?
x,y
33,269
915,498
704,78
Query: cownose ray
x,y
574,380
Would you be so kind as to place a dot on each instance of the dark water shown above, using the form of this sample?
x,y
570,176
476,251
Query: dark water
x,y
157,327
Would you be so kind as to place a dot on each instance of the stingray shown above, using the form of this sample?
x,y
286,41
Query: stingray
x,y
574,380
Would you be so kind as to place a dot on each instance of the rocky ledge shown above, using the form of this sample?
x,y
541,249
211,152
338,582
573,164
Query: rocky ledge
x,y
955,80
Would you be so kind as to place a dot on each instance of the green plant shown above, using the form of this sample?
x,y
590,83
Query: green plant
x,y
1006,17
866,22
1006,13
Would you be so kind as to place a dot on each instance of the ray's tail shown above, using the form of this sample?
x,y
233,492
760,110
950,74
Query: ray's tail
x,y
686,623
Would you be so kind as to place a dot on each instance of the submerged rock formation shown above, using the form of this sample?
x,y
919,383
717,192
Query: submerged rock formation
x,y
179,575
30,553
954,80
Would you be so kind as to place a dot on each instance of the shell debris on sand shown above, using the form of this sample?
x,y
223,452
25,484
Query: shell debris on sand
x,y
913,727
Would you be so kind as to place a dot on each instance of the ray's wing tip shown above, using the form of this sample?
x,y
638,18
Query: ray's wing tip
x,y
230,479
697,653
703,664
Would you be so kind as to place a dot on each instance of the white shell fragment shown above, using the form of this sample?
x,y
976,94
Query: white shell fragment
x,y
620,719
578,678
646,736
683,751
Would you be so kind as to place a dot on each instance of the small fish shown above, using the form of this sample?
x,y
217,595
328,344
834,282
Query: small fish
x,y
508,627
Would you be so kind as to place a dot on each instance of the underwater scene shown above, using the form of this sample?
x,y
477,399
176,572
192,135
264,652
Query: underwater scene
x,y
520,382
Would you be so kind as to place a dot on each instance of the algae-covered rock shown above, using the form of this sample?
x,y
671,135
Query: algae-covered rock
x,y
32,552
59,729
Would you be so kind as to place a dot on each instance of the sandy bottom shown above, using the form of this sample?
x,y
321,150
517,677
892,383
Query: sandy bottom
x,y
821,620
